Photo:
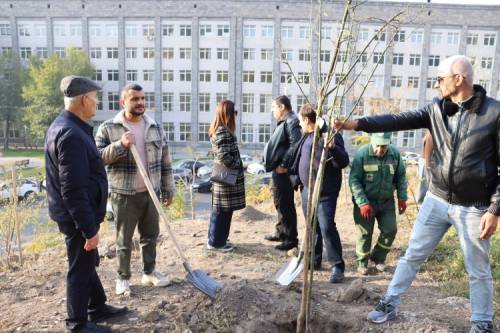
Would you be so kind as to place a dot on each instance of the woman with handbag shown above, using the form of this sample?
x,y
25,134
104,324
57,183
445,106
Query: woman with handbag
x,y
228,190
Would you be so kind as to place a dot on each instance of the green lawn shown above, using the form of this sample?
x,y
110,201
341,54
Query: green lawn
x,y
28,153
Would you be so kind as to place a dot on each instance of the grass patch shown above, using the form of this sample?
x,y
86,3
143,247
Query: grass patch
x,y
44,241
28,153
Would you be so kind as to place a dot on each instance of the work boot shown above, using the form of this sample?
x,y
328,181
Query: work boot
x,y
481,327
273,238
89,327
381,267
383,312
337,275
286,245
105,312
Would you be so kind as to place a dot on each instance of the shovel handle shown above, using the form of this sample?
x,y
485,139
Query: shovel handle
x,y
157,204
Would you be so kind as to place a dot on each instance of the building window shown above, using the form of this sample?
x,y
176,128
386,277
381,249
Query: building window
x,y
342,56
486,62
185,102
287,55
248,76
220,97
148,75
149,101
434,60
267,31
248,30
324,55
167,102
94,30
185,131
42,52
39,30
247,103
266,54
304,55
286,32
413,81
472,39
379,35
205,53
59,30
185,30
148,53
95,53
378,58
205,76
453,38
400,36
415,59
436,37
203,132
485,84
112,52
185,53
60,52
185,75
398,58
167,30
326,32
112,75
301,100
416,36
431,82
205,29
304,32
131,52
396,81
204,102
169,130
222,76
265,103
167,53
97,76
130,30
167,75
222,54
363,58
99,99
223,30
266,77
113,101
131,74
360,108
247,133
249,54
75,30
5,29
408,139
489,39
264,133
111,30
25,52
286,77
303,77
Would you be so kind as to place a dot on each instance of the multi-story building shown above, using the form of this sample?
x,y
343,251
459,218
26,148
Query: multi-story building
x,y
190,54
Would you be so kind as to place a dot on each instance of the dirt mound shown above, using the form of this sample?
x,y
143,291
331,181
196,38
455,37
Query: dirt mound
x,y
250,214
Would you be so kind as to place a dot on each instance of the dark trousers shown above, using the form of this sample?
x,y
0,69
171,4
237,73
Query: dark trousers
x,y
84,291
286,227
327,230
220,224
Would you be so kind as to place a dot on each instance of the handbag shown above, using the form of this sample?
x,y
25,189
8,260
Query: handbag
x,y
224,175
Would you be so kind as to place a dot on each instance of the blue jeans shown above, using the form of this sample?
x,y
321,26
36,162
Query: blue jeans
x,y
327,230
220,223
435,217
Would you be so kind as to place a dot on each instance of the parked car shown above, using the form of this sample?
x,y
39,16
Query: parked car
x,y
256,169
261,179
247,160
206,169
182,174
188,164
25,189
203,185
410,157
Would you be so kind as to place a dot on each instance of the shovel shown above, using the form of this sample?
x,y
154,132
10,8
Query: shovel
x,y
197,278
292,269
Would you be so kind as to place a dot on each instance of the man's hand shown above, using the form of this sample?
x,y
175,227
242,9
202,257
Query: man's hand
x,y
366,211
127,139
488,225
91,243
348,124
168,200
401,206
280,169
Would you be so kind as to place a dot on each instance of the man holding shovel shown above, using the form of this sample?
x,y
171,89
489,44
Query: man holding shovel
x,y
130,199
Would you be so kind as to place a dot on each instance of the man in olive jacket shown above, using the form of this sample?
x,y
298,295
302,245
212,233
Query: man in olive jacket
x,y
377,170
278,157
464,190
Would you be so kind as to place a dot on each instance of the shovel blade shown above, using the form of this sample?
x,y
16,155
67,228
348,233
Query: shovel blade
x,y
204,283
290,271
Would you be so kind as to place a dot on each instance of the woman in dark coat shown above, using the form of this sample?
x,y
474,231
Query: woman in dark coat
x,y
225,198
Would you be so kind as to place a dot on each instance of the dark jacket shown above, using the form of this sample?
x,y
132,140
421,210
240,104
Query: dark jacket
x,y
337,160
77,188
465,162
279,148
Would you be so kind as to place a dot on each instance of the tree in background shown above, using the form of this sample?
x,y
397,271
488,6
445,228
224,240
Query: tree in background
x,y
41,93
12,77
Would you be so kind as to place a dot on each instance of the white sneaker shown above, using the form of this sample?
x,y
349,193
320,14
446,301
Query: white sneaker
x,y
381,267
155,279
122,287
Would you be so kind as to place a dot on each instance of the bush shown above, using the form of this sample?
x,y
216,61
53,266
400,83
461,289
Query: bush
x,y
257,193
177,209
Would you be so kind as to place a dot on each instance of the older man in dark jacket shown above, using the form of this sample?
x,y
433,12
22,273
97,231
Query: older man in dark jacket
x,y
77,191
464,190
278,159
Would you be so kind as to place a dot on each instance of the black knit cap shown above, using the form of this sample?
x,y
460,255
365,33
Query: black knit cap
x,y
72,86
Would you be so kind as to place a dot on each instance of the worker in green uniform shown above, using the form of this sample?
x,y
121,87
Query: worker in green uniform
x,y
377,170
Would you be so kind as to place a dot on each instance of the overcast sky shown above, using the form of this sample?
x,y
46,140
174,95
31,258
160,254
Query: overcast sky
x,y
463,2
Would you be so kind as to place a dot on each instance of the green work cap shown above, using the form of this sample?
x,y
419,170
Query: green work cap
x,y
380,139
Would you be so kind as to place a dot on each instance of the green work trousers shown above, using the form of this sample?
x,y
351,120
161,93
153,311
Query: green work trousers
x,y
386,219
131,211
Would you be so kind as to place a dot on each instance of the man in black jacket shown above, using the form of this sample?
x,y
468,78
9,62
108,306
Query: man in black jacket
x,y
464,190
278,158
77,191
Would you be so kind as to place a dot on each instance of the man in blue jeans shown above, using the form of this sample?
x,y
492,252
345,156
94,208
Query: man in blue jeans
x,y
332,181
464,190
